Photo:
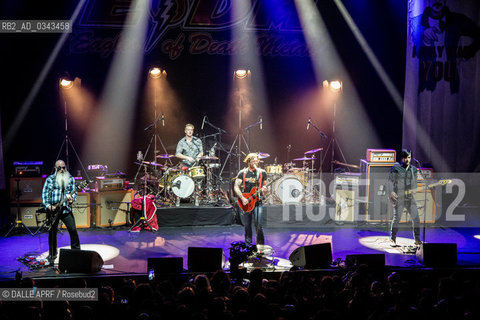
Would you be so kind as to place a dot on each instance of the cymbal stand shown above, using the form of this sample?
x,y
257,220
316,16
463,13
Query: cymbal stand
x,y
18,222
322,158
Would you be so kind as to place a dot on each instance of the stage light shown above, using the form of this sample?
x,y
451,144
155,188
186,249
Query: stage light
x,y
156,73
241,73
333,86
66,83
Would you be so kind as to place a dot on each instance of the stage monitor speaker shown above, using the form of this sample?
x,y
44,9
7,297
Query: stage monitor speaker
x,y
205,259
28,214
437,254
312,257
29,189
79,261
371,260
170,265
81,211
113,207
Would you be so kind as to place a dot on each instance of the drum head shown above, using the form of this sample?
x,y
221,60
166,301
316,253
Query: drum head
x,y
183,186
289,189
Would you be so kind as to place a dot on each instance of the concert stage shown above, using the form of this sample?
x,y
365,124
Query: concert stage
x,y
126,253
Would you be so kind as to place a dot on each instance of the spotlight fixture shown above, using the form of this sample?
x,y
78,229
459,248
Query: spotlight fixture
x,y
66,83
157,72
241,73
334,85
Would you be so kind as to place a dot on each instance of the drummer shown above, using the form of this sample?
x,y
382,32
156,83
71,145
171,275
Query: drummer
x,y
189,148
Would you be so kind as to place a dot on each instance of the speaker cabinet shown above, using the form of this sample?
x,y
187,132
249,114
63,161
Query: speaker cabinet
x,y
427,206
371,260
28,190
113,207
170,265
205,259
81,211
376,177
28,214
346,188
437,254
79,261
312,257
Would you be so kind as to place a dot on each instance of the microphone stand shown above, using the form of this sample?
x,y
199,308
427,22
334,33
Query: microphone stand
x,y
251,126
424,199
322,136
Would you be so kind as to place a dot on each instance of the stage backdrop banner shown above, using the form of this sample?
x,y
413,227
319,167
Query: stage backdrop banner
x,y
442,84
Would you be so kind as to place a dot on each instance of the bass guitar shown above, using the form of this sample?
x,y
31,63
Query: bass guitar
x,y
421,189
59,206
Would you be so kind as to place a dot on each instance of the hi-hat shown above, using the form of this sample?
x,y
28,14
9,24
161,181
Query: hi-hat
x,y
165,156
206,158
263,155
313,151
304,159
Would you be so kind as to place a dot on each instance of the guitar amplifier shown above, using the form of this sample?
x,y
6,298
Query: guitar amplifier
x,y
27,190
346,193
109,184
381,155
113,207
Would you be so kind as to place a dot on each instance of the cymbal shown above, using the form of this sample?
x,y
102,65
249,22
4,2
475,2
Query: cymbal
x,y
346,164
152,163
304,159
313,150
263,155
208,158
165,156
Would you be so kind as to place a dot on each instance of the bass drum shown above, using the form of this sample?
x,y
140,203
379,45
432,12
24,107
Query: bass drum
x,y
288,189
183,186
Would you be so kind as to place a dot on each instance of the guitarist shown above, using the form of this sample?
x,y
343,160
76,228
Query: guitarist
x,y
401,182
247,179
57,186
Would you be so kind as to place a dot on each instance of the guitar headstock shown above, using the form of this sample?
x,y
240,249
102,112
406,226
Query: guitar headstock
x,y
444,181
83,184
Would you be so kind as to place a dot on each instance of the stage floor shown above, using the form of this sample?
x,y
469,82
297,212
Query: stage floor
x,y
126,253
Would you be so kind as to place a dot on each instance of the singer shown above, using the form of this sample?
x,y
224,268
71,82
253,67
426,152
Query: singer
x,y
401,182
189,148
246,180
58,186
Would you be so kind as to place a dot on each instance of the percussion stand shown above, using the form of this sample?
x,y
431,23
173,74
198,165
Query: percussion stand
x,y
333,142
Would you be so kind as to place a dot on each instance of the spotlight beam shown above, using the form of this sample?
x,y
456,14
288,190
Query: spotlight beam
x,y
39,82
410,119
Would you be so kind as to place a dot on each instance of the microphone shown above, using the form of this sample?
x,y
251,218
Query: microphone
x,y
203,122
163,120
139,156
261,122
415,160
308,123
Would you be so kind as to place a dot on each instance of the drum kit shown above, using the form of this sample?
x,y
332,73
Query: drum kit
x,y
291,184
171,183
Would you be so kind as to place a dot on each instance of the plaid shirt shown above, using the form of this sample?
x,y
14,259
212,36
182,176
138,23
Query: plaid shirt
x,y
52,193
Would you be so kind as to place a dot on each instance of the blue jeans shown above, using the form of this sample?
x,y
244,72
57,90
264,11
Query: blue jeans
x,y
256,216
411,206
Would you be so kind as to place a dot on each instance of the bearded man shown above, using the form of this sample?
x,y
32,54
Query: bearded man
x,y
57,186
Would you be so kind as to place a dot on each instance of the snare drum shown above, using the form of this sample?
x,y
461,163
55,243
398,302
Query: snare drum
x,y
183,186
168,177
196,173
288,189
274,169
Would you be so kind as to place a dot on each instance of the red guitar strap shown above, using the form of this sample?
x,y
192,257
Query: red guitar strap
x,y
244,175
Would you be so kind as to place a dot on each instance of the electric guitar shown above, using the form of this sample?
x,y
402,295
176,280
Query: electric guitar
x,y
421,189
252,198
59,206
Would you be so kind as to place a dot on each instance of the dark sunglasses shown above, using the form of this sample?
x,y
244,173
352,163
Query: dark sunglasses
x,y
59,168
